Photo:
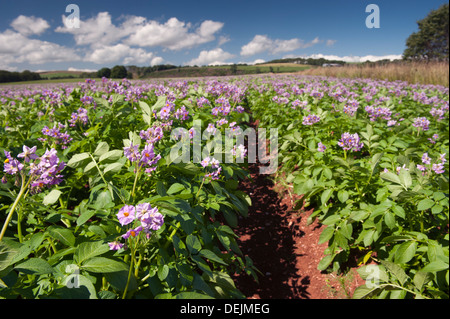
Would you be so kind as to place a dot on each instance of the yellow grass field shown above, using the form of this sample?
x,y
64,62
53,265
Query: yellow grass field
x,y
415,72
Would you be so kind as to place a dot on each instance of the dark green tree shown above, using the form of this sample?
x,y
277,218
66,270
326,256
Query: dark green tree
x,y
118,72
431,41
104,72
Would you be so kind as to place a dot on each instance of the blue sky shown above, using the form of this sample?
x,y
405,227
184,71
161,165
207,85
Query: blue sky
x,y
37,35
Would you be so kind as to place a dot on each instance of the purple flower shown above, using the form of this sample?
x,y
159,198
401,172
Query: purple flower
x,y
421,123
205,162
147,154
152,220
132,232
438,168
321,147
426,159
12,166
131,152
28,153
126,215
142,209
115,245
311,119
350,142
421,168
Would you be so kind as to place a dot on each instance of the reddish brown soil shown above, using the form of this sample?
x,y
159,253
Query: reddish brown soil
x,y
284,248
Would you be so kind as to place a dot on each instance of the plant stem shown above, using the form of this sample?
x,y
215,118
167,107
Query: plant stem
x,y
133,253
13,207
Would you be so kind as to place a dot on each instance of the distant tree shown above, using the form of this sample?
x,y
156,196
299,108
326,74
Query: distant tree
x,y
118,72
233,69
431,41
104,72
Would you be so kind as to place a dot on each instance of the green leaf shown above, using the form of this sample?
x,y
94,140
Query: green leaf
x,y
35,266
101,149
421,279
90,249
391,177
147,113
326,196
193,244
363,292
326,235
434,266
7,253
104,265
113,167
163,272
325,262
405,252
405,178
175,188
79,159
52,197
113,155
208,254
396,271
342,196
64,235
84,217
425,204
331,220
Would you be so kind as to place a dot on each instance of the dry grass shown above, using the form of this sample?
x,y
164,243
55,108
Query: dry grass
x,y
423,73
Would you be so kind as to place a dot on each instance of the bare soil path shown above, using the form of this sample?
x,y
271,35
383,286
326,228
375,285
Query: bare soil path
x,y
284,248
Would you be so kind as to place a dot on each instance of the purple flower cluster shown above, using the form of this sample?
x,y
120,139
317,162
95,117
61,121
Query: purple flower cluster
x,y
152,134
144,218
439,113
310,119
378,112
350,142
240,151
437,167
80,116
215,165
146,158
56,135
321,147
182,114
202,101
43,171
421,123
350,109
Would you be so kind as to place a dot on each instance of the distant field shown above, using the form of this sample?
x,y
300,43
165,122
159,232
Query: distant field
x,y
425,73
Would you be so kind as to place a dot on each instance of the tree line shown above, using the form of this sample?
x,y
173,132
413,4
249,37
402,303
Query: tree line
x,y
8,76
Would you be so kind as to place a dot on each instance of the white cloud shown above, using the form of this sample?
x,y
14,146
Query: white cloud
x,y
121,53
212,57
352,58
156,60
29,25
95,31
174,34
138,31
17,48
79,70
262,43
331,42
